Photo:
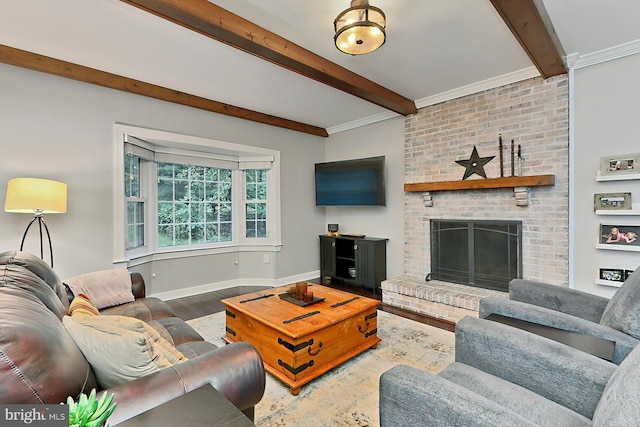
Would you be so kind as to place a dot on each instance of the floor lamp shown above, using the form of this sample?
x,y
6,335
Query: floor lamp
x,y
37,197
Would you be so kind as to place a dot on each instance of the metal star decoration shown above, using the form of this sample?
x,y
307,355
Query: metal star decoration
x,y
475,164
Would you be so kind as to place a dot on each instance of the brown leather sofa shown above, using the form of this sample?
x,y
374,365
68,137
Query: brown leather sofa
x,y
40,363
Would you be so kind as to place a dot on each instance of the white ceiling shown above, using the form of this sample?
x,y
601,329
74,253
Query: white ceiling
x,y
433,47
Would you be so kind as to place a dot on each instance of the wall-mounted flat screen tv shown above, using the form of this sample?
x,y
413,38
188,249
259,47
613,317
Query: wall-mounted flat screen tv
x,y
358,182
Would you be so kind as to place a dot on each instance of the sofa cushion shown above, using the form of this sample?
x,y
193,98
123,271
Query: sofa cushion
x,y
39,362
21,260
623,310
620,401
105,288
81,306
121,349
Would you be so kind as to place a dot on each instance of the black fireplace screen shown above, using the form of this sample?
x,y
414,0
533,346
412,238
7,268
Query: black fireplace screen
x,y
486,254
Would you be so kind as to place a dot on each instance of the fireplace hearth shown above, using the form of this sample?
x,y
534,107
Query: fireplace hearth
x,y
480,253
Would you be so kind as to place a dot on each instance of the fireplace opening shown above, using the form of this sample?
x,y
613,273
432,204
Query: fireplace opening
x,y
485,254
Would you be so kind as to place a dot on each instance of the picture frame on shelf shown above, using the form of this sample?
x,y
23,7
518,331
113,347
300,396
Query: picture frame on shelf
x,y
627,273
612,201
620,235
612,274
625,164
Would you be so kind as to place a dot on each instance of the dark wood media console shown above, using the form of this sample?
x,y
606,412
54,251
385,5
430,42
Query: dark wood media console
x,y
357,261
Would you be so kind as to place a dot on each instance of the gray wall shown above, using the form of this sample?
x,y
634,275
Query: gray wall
x,y
606,123
380,139
61,129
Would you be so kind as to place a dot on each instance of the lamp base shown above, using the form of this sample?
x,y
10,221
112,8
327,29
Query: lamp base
x,y
41,224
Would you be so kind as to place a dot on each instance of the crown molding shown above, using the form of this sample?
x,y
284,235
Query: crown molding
x,y
491,83
605,55
480,86
362,122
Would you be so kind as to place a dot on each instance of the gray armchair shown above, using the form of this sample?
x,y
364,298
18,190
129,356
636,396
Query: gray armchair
x,y
617,319
503,376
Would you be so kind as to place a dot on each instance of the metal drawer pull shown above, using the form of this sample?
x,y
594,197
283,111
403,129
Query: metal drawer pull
x,y
319,348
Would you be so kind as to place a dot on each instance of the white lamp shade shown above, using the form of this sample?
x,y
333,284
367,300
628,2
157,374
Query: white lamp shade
x,y
34,195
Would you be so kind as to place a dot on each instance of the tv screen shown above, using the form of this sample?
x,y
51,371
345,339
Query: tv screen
x,y
359,182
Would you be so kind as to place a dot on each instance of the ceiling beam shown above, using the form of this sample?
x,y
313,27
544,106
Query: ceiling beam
x,y
219,24
530,24
45,64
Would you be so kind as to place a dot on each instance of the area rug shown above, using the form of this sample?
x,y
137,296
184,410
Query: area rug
x,y
348,394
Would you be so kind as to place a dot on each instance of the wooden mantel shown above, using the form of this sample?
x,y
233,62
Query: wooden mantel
x,y
475,184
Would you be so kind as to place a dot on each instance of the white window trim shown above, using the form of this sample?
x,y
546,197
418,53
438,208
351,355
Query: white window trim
x,y
170,142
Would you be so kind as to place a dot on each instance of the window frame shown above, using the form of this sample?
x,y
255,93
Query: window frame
x,y
174,144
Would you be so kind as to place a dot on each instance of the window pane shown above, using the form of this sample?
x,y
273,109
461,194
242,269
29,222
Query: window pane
x,y
193,220
256,213
182,213
135,224
250,231
261,210
251,191
131,176
197,212
134,208
165,213
225,211
165,190
165,235
262,229
225,232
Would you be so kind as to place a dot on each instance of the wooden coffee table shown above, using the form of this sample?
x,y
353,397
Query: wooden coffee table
x,y
297,343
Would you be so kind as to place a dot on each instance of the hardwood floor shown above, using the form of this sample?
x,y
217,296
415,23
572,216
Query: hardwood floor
x,y
191,307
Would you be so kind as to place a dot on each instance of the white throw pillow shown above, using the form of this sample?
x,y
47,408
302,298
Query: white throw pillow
x,y
121,349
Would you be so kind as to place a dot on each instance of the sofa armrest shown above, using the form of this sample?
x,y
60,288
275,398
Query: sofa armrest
x,y
624,343
236,371
412,397
567,376
137,285
576,303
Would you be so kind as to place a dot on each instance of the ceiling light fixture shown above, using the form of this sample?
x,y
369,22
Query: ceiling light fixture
x,y
360,29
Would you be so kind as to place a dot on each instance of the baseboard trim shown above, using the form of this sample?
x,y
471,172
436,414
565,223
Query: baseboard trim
x,y
217,286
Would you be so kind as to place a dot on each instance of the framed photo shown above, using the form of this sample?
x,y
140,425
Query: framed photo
x,y
624,164
612,201
612,274
627,273
624,235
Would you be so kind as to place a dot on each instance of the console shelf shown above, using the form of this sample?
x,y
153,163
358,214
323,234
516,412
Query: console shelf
x,y
359,261
475,184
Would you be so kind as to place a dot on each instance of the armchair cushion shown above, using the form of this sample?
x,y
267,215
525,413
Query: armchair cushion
x,y
623,310
624,343
121,349
620,401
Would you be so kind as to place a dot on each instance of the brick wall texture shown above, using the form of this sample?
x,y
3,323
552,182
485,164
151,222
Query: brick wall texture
x,y
534,113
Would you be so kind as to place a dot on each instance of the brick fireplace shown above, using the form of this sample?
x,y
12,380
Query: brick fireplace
x,y
534,114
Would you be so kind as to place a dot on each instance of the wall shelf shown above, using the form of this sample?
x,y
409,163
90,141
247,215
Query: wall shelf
x,y
623,177
611,283
635,210
477,184
615,247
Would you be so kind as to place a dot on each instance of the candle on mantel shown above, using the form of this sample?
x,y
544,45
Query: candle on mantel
x,y
520,160
501,159
512,159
